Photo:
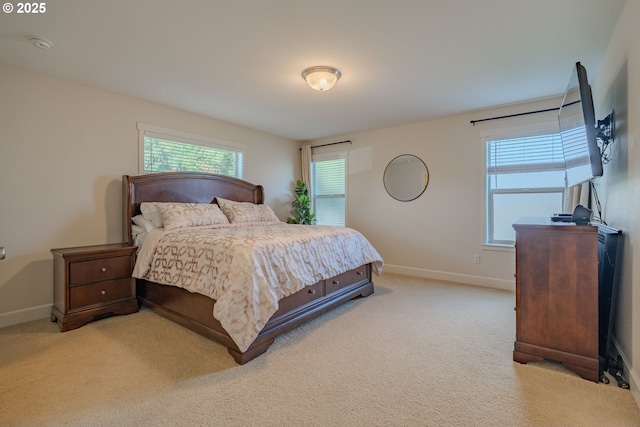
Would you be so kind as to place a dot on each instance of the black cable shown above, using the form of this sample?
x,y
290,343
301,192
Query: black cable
x,y
597,202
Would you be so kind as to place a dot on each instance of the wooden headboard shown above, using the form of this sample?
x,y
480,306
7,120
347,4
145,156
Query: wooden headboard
x,y
183,187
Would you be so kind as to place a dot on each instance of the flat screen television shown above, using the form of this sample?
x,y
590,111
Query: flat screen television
x,y
577,121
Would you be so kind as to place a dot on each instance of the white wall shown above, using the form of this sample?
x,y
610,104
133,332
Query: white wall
x,y
437,234
617,87
63,151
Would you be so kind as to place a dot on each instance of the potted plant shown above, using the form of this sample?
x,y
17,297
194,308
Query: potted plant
x,y
301,206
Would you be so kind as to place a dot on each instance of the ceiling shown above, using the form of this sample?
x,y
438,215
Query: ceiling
x,y
402,61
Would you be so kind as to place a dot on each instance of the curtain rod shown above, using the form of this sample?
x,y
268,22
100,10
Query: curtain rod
x,y
473,122
331,143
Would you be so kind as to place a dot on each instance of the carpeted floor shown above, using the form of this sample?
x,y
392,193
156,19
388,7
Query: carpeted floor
x,y
416,353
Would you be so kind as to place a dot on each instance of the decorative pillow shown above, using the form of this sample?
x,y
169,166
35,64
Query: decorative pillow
x,y
150,212
246,212
181,215
144,223
136,229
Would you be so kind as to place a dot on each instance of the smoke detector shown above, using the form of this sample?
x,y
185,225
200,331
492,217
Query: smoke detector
x,y
41,43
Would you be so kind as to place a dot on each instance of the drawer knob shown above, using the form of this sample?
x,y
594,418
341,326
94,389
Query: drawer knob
x,y
103,292
359,273
336,282
312,291
103,269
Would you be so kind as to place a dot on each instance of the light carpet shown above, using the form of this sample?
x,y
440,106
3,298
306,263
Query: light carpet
x,y
415,353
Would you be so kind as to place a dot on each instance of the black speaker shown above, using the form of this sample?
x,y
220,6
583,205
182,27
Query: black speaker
x,y
581,215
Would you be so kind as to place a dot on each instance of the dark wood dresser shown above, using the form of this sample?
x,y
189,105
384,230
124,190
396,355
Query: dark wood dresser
x,y
91,281
557,295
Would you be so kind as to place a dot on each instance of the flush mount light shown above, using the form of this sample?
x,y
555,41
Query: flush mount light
x,y
321,77
41,43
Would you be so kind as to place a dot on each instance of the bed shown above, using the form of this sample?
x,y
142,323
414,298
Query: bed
x,y
291,297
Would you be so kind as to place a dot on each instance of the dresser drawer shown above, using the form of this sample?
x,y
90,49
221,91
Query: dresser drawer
x,y
360,274
100,293
301,298
97,270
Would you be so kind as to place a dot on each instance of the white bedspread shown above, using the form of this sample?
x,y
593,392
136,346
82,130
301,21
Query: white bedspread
x,y
248,269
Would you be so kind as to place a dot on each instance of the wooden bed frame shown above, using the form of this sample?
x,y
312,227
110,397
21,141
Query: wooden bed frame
x,y
195,311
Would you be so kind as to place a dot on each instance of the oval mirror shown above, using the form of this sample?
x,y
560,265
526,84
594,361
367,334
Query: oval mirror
x,y
406,177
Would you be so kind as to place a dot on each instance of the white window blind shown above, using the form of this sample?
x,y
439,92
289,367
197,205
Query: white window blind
x,y
164,150
526,154
525,177
329,188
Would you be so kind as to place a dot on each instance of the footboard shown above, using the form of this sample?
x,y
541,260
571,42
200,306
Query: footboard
x,y
195,311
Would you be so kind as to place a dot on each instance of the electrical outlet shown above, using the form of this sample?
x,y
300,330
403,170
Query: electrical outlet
x,y
476,259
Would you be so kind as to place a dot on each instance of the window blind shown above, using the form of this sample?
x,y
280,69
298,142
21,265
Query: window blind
x,y
169,150
525,176
525,154
164,155
329,190
574,147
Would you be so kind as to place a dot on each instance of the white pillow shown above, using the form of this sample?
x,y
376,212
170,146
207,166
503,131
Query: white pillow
x,y
136,229
246,212
141,221
151,213
181,215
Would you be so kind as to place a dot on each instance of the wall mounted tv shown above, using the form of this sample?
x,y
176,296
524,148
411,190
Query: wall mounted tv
x,y
576,117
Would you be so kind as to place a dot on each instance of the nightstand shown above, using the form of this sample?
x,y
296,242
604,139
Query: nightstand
x,y
90,281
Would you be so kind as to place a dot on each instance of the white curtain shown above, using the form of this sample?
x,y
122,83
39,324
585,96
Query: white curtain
x,y
306,164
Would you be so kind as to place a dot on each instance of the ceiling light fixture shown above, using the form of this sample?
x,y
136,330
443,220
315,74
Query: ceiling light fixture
x,y
321,77
41,43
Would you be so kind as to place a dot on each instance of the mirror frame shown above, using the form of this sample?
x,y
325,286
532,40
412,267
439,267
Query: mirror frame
x,y
425,184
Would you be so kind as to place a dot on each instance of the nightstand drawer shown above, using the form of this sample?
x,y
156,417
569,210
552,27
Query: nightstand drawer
x,y
96,270
100,293
91,281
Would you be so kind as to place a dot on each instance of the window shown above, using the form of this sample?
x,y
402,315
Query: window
x,y
165,150
525,177
328,177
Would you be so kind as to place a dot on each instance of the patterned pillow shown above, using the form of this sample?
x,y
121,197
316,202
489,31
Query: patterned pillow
x,y
246,212
181,215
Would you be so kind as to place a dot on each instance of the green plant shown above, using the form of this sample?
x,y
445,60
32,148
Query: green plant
x,y
301,206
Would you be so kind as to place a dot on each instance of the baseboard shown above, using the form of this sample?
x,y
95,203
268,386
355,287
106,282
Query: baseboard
x,y
631,374
25,315
487,282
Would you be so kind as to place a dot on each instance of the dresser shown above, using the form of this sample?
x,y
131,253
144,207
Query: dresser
x,y
557,295
92,281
